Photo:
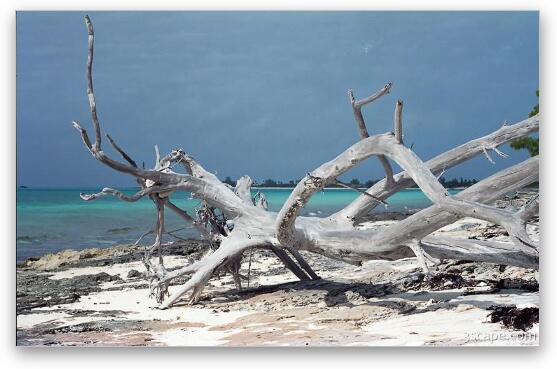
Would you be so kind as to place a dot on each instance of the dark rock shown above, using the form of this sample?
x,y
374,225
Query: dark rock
x,y
104,277
38,290
520,284
100,326
515,318
134,274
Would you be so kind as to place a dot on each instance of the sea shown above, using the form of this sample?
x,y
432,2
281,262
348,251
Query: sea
x,y
55,219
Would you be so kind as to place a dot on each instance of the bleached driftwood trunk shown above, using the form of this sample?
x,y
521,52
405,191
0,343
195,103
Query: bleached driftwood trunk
x,y
234,222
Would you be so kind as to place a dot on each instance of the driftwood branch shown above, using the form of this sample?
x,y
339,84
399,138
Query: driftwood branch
x,y
133,198
90,94
363,205
243,189
122,152
398,121
362,129
344,185
235,222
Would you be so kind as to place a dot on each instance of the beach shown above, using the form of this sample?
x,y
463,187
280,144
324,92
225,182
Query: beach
x,y
99,297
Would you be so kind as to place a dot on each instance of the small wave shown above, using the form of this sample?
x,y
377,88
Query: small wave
x,y
106,242
37,238
119,230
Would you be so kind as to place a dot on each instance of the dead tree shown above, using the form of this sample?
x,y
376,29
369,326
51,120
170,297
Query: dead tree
x,y
234,222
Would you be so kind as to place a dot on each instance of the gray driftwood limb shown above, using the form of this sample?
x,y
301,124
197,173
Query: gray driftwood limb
x,y
233,222
362,128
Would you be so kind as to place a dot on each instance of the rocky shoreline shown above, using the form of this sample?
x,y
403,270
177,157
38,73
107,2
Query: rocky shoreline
x,y
99,297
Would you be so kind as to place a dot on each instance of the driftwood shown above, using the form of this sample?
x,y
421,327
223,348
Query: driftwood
x,y
233,221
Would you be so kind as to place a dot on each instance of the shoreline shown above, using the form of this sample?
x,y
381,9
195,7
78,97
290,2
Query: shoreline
x,y
125,228
383,215
99,297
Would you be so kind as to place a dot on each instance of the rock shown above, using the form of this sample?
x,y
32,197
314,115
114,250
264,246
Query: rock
x,y
134,274
38,290
52,261
104,277
515,318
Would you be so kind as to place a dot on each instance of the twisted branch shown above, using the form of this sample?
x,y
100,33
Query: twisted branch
x,y
233,221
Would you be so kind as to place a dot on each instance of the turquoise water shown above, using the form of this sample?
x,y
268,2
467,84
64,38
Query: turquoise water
x,y
55,219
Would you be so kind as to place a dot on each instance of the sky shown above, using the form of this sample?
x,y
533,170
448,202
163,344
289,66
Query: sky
x,y
265,93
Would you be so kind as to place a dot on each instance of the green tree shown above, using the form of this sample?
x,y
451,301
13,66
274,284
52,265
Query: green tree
x,y
269,183
370,183
529,143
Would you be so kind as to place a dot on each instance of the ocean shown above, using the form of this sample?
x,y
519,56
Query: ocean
x,y
55,219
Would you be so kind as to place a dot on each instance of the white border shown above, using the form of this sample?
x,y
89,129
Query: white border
x,y
315,358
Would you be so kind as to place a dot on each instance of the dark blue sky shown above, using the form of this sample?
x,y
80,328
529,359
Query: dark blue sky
x,y
265,94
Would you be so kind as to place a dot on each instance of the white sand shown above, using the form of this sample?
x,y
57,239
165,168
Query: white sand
x,y
463,324
26,321
193,336
445,327
136,305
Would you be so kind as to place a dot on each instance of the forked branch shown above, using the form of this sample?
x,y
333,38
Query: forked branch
x,y
364,133
233,222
